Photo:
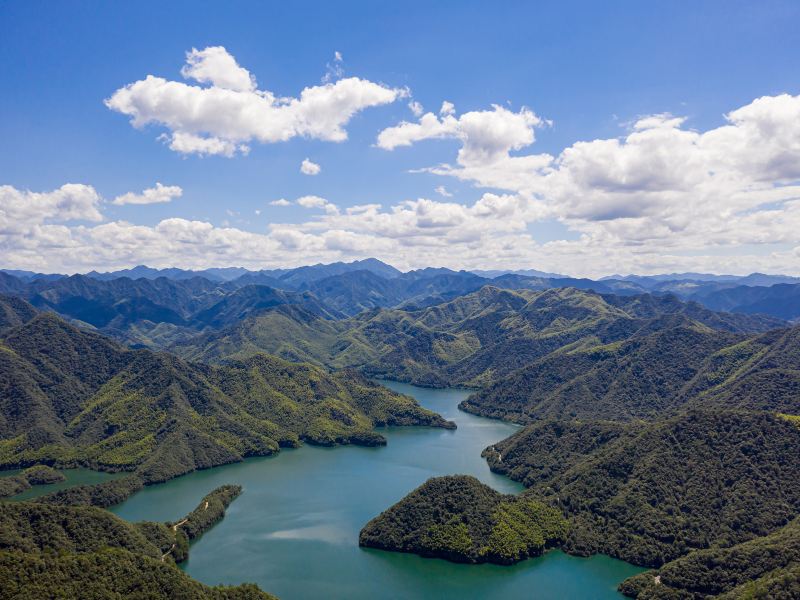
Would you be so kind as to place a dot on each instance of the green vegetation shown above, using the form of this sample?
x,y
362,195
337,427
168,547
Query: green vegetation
x,y
650,493
37,475
472,340
106,574
462,520
744,570
209,512
651,374
71,397
86,552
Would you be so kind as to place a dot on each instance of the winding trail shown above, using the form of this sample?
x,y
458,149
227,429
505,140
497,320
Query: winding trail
x,y
167,553
175,527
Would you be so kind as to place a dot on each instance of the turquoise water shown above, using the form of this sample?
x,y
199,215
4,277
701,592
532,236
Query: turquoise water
x,y
73,477
294,530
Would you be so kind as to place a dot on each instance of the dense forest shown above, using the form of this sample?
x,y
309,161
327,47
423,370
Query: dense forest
x,y
764,567
646,493
12,485
655,430
85,552
657,370
472,340
461,519
73,397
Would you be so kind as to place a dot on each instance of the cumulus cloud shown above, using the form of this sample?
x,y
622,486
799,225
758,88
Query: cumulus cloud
x,y
281,202
228,112
154,195
493,231
485,135
215,66
22,212
308,167
660,198
317,202
661,187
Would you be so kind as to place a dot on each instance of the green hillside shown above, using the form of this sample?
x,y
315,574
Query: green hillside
x,y
649,493
460,519
86,552
645,493
71,397
661,368
764,567
471,340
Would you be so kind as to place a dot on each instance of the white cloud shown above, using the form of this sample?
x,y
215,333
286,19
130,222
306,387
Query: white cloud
x,y
317,202
188,143
485,135
491,232
23,212
660,188
158,194
661,198
281,202
215,66
442,191
334,71
416,108
229,113
308,167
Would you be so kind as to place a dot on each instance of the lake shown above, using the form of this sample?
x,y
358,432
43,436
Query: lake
x,y
294,530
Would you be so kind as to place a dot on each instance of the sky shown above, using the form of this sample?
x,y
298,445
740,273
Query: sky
x,y
575,137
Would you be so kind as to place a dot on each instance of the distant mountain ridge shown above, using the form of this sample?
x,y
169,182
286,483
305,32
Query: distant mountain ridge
x,y
349,288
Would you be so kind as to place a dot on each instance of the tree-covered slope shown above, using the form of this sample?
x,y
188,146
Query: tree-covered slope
x,y
460,519
471,340
736,571
670,363
85,552
11,485
73,397
649,493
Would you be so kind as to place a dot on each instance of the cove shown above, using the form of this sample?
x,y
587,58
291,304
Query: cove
x,y
294,530
78,476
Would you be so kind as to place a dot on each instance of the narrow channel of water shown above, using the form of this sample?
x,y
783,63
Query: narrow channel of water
x,y
74,477
294,530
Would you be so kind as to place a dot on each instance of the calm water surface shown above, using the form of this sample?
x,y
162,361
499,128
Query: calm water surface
x,y
73,477
294,530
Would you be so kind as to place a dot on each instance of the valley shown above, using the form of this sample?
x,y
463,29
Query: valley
x,y
595,435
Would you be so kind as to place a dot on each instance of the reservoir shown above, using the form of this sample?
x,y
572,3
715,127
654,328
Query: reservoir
x,y
294,530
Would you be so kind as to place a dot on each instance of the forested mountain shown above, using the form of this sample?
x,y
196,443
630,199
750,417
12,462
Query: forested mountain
x,y
85,552
656,429
646,493
472,340
781,300
155,307
74,397
765,567
658,369
649,493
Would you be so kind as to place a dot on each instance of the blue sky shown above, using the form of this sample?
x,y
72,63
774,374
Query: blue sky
x,y
586,70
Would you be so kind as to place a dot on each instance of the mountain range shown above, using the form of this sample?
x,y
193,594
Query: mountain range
x,y
659,415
